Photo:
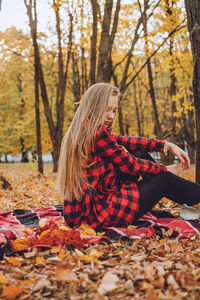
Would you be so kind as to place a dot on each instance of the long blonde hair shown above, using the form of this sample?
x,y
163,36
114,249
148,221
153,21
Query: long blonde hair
x,y
79,137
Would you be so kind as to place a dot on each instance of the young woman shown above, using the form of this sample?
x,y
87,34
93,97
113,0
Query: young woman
x,y
98,177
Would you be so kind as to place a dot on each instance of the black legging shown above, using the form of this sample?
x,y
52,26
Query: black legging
x,y
166,184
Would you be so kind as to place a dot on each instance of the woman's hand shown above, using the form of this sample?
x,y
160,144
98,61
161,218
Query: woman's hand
x,y
173,169
182,155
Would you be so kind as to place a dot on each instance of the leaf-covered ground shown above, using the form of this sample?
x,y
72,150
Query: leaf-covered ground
x,y
153,269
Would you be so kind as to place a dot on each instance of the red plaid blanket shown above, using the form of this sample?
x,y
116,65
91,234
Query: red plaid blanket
x,y
45,227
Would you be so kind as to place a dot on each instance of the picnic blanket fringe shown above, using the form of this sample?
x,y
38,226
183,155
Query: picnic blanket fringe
x,y
22,230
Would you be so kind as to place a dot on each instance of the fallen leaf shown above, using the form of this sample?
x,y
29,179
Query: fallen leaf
x,y
172,282
87,230
65,228
175,247
27,282
63,274
14,261
20,244
31,254
62,254
39,260
55,249
41,284
3,279
108,283
12,291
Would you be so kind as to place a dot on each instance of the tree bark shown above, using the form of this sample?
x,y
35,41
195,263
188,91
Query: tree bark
x,y
93,47
105,69
137,109
193,17
158,130
37,104
76,79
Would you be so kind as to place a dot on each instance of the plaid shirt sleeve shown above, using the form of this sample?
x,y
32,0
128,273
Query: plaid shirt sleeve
x,y
106,145
139,143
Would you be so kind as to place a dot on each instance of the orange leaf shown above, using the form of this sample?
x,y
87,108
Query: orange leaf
x,y
27,281
3,279
62,254
20,244
14,261
12,291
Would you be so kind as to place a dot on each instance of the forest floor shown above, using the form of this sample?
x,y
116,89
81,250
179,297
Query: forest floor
x,y
152,269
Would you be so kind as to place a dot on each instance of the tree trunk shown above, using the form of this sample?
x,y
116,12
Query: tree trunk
x,y
93,47
137,109
55,130
105,69
37,105
158,130
76,79
172,92
188,128
193,17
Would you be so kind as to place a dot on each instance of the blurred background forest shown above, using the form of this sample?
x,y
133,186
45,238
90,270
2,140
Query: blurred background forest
x,y
141,46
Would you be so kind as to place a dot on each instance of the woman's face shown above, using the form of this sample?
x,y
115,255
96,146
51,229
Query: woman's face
x,y
111,110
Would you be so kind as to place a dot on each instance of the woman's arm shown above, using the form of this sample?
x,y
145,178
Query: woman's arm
x,y
139,143
107,146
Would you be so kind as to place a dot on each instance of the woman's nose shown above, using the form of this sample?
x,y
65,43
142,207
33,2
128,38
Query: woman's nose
x,y
111,115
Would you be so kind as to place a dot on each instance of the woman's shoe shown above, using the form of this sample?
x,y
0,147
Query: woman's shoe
x,y
189,212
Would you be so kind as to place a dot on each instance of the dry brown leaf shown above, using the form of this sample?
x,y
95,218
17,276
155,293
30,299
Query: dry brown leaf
x,y
172,282
108,283
31,254
175,247
63,274
41,284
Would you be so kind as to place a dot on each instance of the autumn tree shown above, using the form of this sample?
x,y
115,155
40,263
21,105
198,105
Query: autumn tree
x,y
55,128
193,17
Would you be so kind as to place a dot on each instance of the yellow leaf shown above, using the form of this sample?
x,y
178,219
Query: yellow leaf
x,y
36,201
3,279
87,230
39,259
12,291
55,249
62,254
96,253
44,233
132,227
59,221
65,228
88,258
14,261
116,254
20,244
100,233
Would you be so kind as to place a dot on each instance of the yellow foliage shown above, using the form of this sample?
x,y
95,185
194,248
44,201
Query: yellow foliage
x,y
86,230
20,244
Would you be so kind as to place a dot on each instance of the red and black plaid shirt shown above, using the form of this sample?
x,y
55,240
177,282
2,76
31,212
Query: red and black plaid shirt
x,y
109,200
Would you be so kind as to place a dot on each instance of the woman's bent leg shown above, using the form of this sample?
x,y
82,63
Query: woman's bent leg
x,y
168,185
